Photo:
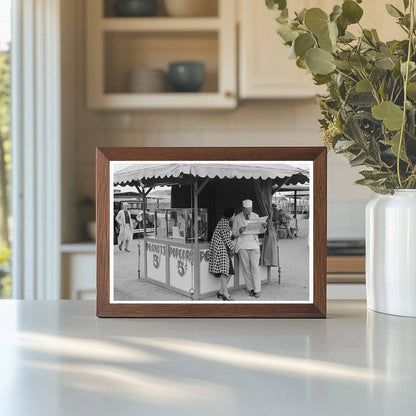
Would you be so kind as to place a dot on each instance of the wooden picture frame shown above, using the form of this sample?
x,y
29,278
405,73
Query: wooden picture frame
x,y
315,308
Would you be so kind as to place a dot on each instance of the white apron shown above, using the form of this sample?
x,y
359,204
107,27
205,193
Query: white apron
x,y
126,230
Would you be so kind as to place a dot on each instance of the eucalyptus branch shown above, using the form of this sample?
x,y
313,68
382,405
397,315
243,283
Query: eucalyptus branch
x,y
398,95
345,75
392,90
373,89
369,41
365,62
406,80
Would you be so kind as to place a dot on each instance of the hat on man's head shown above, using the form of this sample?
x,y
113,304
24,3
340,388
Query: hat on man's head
x,y
247,203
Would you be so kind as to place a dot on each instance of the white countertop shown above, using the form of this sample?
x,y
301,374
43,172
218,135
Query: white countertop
x,y
56,358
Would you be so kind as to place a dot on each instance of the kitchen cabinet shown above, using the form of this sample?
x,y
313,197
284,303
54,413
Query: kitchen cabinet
x,y
116,46
265,70
78,263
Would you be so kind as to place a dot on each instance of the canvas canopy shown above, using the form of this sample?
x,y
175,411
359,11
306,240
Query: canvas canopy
x,y
263,178
166,173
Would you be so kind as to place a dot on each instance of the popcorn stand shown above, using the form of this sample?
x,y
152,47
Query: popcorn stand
x,y
175,256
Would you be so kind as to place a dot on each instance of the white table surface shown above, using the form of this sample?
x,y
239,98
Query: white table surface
x,y
56,358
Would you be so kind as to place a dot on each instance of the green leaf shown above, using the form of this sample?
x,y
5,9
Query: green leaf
x,y
385,63
333,32
363,86
375,35
336,12
351,11
393,11
276,4
319,61
301,63
391,114
316,20
394,145
377,75
321,79
364,181
361,99
327,40
358,61
412,67
382,88
325,43
343,145
284,14
396,71
303,43
411,90
374,175
358,160
406,4
286,32
348,37
342,25
354,131
368,36
300,17
343,65
374,150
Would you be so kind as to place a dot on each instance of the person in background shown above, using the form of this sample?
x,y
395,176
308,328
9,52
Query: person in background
x,y
248,248
221,251
126,227
275,216
284,220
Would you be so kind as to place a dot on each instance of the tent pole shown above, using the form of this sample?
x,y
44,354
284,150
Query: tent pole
x,y
295,205
143,194
279,270
197,277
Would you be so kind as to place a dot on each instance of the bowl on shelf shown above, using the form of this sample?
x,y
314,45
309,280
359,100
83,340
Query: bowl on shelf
x,y
135,8
147,80
186,76
191,8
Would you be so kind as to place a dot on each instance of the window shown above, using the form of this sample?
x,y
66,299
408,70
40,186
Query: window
x,y
5,145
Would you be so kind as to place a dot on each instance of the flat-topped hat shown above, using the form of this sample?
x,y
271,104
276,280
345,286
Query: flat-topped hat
x,y
247,203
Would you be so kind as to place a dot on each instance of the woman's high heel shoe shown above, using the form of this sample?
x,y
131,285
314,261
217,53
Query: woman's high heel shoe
x,y
223,297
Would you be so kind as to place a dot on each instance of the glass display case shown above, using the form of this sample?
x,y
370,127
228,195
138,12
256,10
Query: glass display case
x,y
178,224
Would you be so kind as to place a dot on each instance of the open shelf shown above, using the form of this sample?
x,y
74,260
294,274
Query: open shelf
x,y
210,9
160,24
130,101
127,51
80,247
116,46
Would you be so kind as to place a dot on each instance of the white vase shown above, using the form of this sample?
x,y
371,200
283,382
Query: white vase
x,y
391,253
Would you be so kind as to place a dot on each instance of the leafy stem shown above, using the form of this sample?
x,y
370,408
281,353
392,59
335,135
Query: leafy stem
x,y
345,75
405,81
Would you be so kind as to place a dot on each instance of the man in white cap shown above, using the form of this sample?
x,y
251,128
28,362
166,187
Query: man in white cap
x,y
248,248
126,227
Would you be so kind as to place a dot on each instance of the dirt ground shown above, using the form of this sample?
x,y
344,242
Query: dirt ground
x,y
294,285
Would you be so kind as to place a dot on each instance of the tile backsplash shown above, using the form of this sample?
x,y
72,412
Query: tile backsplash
x,y
285,123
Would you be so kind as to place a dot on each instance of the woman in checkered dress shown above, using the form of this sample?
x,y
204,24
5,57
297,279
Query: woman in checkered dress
x,y
221,250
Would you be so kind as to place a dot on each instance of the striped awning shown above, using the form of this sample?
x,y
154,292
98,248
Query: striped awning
x,y
165,173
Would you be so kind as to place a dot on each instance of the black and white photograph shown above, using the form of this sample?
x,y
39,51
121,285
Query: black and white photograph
x,y
212,231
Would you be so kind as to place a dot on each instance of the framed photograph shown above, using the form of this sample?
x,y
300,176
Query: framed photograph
x,y
211,232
